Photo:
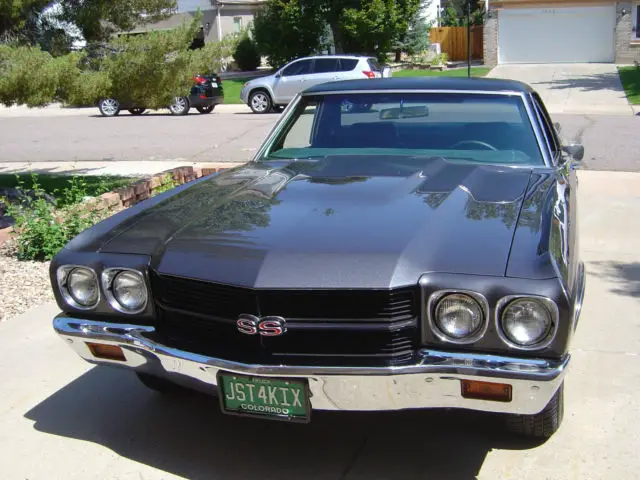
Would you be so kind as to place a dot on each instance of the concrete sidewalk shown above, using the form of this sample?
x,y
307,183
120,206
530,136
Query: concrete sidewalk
x,y
592,88
125,169
62,419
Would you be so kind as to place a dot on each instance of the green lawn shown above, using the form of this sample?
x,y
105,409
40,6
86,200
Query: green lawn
x,y
630,78
458,72
233,86
95,185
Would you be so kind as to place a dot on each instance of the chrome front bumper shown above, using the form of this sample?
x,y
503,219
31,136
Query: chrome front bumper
x,y
433,381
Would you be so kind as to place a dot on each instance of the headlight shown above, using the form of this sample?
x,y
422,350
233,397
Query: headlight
x,y
79,286
527,323
126,290
459,318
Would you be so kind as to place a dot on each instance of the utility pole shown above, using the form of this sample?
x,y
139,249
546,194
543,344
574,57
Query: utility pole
x,y
469,38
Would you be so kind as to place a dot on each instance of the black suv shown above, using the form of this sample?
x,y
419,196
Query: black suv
x,y
206,93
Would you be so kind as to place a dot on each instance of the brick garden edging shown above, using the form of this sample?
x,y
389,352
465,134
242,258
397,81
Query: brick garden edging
x,y
145,188
138,191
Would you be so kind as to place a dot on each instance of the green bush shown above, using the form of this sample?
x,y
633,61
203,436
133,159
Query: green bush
x,y
28,76
246,55
149,70
42,229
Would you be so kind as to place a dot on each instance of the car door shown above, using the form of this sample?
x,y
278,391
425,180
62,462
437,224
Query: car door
x,y
291,80
564,244
324,70
346,69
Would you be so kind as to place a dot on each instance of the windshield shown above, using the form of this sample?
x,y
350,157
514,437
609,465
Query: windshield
x,y
465,127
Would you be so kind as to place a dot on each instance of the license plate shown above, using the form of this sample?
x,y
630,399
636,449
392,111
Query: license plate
x,y
214,84
274,398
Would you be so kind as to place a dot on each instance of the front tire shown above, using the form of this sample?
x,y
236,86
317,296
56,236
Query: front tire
x,y
109,107
180,106
543,424
260,102
205,110
159,384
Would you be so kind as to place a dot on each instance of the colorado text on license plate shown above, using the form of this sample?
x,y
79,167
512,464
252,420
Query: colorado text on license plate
x,y
264,396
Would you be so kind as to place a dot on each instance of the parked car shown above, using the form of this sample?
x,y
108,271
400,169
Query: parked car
x,y
206,93
275,91
421,254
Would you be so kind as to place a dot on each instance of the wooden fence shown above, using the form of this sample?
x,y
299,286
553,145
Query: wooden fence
x,y
453,41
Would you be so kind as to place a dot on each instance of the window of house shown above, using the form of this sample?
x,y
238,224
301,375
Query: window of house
x,y
237,24
636,21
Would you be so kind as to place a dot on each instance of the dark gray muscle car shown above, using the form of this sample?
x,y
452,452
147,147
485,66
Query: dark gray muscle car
x,y
418,253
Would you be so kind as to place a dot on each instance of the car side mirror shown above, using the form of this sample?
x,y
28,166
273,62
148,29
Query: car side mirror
x,y
575,150
278,74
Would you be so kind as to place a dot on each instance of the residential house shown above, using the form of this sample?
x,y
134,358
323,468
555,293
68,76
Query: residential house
x,y
556,31
219,17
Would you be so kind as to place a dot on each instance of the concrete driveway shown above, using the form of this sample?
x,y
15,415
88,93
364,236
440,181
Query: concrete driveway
x,y
60,418
589,88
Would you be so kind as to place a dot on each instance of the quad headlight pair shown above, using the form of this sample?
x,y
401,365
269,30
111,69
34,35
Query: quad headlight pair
x,y
124,289
522,322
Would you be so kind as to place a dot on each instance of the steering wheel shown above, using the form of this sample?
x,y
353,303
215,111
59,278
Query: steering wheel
x,y
475,142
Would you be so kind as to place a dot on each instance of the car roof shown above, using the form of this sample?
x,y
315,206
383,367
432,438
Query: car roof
x,y
340,55
422,83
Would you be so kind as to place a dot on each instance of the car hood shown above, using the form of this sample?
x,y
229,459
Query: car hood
x,y
339,222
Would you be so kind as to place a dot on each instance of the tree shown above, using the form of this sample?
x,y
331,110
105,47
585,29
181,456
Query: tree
x,y
449,17
19,19
369,26
456,13
48,23
246,55
417,37
98,19
287,29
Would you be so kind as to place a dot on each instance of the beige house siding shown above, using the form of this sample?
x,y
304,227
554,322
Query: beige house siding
x,y
627,50
228,14
228,11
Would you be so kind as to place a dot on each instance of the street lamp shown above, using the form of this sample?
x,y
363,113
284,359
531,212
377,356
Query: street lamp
x,y
468,38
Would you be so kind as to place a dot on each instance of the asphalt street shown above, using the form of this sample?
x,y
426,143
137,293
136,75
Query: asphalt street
x,y
611,142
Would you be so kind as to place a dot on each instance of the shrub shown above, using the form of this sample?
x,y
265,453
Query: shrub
x,y
246,55
28,76
44,229
287,29
148,69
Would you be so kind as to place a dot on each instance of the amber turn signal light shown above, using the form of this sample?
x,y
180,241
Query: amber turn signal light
x,y
108,352
497,392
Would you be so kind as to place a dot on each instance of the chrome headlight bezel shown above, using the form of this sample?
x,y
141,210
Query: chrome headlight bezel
x,y
545,302
480,299
108,277
62,275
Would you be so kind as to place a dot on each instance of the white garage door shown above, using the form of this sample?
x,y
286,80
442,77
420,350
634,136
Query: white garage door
x,y
557,35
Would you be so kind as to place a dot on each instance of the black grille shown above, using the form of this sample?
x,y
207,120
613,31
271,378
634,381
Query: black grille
x,y
343,327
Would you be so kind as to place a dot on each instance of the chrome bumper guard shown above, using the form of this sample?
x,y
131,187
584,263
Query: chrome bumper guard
x,y
432,381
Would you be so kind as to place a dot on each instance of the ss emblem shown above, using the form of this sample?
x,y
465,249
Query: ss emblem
x,y
265,326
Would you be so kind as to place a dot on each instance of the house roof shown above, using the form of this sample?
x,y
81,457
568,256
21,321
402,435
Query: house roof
x,y
423,83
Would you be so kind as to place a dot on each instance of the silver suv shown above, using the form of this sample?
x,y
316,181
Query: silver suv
x,y
277,90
